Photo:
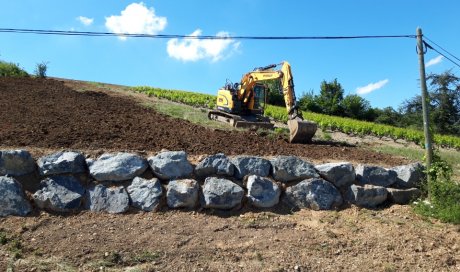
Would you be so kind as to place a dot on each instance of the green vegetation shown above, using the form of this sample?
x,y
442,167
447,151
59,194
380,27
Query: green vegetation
x,y
40,69
189,98
356,127
325,122
9,69
443,194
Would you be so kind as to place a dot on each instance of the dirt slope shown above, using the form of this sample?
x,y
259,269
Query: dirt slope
x,y
48,114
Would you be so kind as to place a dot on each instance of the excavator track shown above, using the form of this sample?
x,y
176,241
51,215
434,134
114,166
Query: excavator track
x,y
249,122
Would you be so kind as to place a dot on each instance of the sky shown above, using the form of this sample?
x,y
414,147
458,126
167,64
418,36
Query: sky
x,y
383,71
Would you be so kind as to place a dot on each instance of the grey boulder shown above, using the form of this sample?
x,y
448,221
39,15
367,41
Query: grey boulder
x,y
340,174
12,200
403,196
290,168
375,175
64,162
182,193
409,176
262,192
16,163
59,194
315,193
367,195
102,199
217,164
221,193
171,165
145,194
117,167
247,165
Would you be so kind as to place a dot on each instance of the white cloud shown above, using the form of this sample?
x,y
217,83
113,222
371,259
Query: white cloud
x,y
85,20
196,49
136,18
434,61
371,87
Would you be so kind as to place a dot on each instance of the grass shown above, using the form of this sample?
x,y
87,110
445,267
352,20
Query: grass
x,y
195,115
452,157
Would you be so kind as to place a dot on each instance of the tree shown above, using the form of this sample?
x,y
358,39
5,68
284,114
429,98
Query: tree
x,y
330,98
445,101
388,116
354,106
309,102
275,94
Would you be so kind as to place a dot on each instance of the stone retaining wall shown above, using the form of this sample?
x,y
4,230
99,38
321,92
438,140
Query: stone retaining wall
x,y
67,182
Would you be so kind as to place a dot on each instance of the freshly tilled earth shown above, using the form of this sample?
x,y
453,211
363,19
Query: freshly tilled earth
x,y
43,116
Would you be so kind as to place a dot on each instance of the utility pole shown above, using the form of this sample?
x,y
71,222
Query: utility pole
x,y
425,100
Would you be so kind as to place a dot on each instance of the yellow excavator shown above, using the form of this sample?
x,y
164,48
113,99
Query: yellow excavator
x,y
242,104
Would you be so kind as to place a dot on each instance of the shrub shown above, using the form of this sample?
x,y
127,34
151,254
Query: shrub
x,y
444,194
9,69
40,69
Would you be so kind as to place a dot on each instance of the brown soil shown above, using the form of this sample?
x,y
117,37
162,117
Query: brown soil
x,y
48,115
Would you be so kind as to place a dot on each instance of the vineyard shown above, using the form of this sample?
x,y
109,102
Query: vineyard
x,y
334,123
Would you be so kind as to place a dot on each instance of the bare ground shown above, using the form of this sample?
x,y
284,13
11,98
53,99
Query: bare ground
x,y
48,115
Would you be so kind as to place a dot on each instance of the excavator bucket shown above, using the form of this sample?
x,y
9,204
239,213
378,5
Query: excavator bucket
x,y
301,131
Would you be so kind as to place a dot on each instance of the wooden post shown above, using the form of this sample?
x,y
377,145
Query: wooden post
x,y
425,100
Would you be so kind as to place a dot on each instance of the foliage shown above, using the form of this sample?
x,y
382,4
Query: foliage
x,y
330,97
189,98
9,69
40,69
444,105
444,194
326,122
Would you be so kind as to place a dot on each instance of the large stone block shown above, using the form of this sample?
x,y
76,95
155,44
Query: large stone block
x,y
315,193
247,165
367,195
171,165
409,176
340,174
290,168
182,193
118,167
59,194
217,164
262,192
102,199
145,194
16,163
12,198
221,193
63,162
375,175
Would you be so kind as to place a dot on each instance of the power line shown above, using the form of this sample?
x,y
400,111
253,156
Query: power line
x,y
204,37
442,48
434,49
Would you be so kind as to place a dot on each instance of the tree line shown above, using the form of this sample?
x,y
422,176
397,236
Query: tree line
x,y
444,104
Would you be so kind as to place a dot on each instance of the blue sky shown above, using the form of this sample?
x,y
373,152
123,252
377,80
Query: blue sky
x,y
383,71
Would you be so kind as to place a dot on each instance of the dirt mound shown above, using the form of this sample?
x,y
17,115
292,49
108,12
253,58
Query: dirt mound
x,y
50,114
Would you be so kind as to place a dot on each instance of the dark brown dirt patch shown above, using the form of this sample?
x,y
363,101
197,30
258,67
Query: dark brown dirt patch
x,y
37,113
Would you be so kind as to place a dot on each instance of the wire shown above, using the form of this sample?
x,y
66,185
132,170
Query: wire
x,y
441,48
205,37
432,48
